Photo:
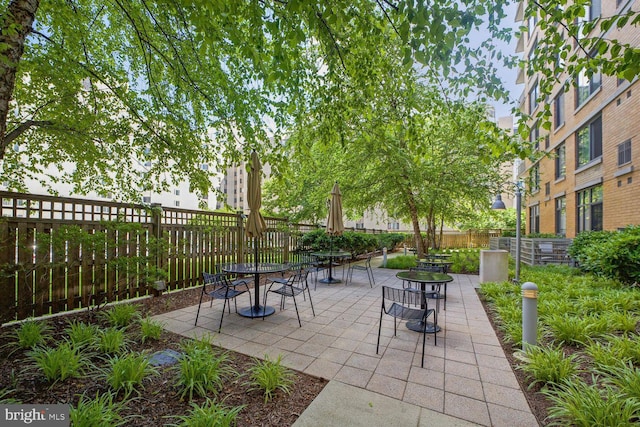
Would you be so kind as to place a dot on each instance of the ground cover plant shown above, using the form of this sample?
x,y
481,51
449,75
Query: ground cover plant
x,y
585,368
99,364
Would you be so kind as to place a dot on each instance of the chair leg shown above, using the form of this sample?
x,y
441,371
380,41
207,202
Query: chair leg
x,y
296,306
222,315
199,304
379,331
310,302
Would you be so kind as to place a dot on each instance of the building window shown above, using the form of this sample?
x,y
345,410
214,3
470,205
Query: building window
x,y
589,142
176,192
533,98
534,219
176,203
561,216
560,161
624,152
534,136
586,86
146,199
558,110
393,226
589,209
204,166
532,22
359,225
534,177
547,188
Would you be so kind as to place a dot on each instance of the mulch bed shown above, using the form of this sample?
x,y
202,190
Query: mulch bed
x,y
159,401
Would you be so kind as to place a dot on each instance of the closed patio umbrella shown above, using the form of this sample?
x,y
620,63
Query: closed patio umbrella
x,y
255,222
335,226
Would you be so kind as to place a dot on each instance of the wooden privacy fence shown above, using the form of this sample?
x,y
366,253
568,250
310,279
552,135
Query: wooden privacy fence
x,y
460,239
59,254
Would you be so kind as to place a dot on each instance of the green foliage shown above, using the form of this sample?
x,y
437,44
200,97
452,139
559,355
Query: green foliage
x,y
547,365
210,414
573,330
465,261
4,400
401,262
60,363
82,334
270,376
101,411
354,242
389,240
111,341
543,236
150,329
121,315
200,371
31,333
579,404
623,376
128,371
611,254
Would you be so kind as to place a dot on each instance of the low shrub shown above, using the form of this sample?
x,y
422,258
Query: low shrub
x,y
60,363
209,414
127,372
121,315
101,411
611,254
401,262
269,376
31,333
547,365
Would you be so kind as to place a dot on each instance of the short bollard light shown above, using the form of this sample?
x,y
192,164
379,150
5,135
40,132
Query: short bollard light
x,y
529,314
384,257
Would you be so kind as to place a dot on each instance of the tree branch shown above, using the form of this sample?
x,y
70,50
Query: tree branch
x,y
335,42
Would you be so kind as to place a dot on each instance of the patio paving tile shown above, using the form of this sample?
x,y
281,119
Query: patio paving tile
x,y
465,376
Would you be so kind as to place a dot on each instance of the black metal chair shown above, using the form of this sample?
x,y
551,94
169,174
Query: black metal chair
x,y
407,304
220,287
290,286
362,267
435,268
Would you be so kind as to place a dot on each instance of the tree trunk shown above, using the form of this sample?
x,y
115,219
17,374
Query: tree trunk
x,y
413,212
16,25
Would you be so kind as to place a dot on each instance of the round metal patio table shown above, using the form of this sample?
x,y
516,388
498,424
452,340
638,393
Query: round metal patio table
x,y
256,310
424,278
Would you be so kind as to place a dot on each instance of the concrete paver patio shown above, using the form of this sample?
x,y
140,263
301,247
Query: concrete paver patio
x,y
466,379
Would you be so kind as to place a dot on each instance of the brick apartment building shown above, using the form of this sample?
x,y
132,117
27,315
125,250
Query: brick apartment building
x,y
589,182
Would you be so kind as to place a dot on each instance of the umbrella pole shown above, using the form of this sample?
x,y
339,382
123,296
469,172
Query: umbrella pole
x,y
257,276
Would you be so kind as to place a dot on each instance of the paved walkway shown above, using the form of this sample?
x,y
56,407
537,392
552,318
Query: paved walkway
x,y
466,380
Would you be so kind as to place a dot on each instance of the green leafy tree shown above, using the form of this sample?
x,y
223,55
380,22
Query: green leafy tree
x,y
86,86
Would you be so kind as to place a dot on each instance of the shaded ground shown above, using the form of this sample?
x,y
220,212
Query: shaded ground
x,y
159,401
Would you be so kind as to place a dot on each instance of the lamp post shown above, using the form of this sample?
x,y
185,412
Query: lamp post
x,y
499,204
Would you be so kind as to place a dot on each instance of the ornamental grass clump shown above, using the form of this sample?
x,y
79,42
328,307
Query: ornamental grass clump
x,y
31,333
100,411
60,363
150,329
127,372
579,404
111,341
82,334
547,365
121,315
200,370
208,415
269,376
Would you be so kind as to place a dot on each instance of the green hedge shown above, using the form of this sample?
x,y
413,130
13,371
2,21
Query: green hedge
x,y
611,254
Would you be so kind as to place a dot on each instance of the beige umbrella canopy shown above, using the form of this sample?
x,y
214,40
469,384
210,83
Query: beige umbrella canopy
x,y
255,223
335,226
